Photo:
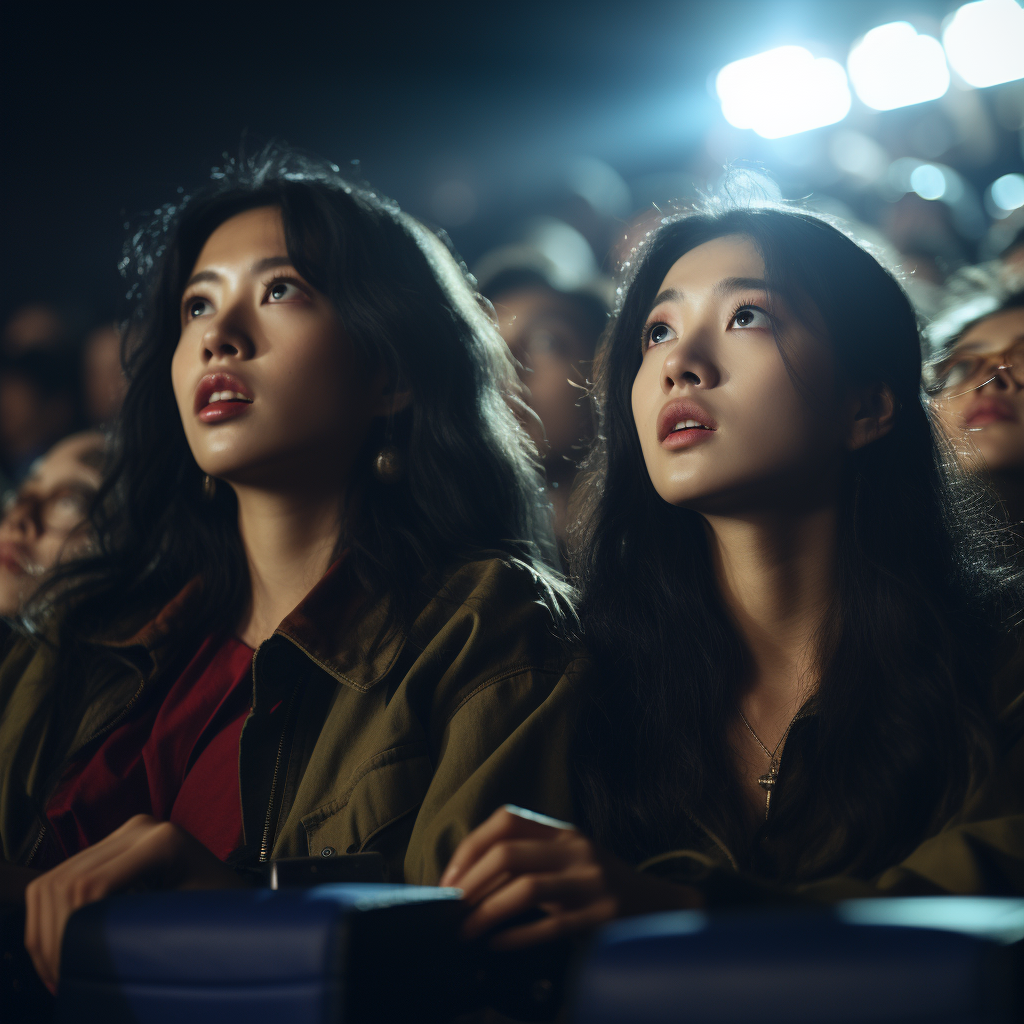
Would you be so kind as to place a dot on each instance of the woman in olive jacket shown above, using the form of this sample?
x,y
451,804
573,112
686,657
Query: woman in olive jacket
x,y
803,620
318,461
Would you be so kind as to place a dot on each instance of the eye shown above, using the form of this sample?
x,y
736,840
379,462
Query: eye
x,y
657,333
751,317
958,373
197,307
282,291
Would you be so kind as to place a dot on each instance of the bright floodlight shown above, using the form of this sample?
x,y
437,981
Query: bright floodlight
x,y
1008,192
783,92
985,42
892,66
928,181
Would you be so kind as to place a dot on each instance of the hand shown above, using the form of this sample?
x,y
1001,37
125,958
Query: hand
x,y
142,851
517,861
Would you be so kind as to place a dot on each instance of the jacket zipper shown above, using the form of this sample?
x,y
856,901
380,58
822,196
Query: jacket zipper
x,y
36,845
265,843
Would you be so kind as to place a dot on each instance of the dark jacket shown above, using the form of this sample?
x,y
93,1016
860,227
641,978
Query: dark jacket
x,y
401,748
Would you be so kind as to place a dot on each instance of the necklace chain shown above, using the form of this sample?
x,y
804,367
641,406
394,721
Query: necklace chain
x,y
768,780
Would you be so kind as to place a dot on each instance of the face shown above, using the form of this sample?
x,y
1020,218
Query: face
x,y
983,405
545,333
46,520
269,388
722,425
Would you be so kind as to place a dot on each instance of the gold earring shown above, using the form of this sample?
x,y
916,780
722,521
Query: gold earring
x,y
387,465
209,487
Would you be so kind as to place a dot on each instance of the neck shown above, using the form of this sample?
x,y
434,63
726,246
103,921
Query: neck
x,y
776,574
289,541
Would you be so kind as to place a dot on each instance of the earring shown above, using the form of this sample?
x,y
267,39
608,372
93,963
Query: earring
x,y
387,465
209,487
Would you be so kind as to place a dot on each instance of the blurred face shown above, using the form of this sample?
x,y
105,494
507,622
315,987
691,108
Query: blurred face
x,y
46,519
546,333
267,382
722,425
983,403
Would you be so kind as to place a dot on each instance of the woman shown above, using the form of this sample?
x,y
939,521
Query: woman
x,y
793,613
318,461
977,385
45,520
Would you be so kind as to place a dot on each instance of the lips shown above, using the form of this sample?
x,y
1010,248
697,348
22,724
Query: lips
x,y
12,559
990,410
221,396
684,423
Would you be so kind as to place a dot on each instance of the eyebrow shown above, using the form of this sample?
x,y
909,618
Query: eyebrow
x,y
728,284
973,346
267,263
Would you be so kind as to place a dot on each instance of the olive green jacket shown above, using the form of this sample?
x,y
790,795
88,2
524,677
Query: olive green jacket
x,y
401,749
978,851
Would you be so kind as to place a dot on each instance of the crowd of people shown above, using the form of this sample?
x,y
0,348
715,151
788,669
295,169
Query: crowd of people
x,y
702,590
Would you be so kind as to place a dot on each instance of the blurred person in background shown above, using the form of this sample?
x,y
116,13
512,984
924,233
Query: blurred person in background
x,y
551,316
39,404
37,325
976,379
45,520
103,381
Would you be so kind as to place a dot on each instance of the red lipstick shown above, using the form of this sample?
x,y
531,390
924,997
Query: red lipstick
x,y
221,396
683,424
990,410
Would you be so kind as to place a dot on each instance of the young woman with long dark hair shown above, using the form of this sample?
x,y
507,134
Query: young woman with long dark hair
x,y
317,459
797,611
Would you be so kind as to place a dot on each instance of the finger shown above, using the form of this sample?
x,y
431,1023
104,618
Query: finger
x,y
506,822
512,858
555,927
563,890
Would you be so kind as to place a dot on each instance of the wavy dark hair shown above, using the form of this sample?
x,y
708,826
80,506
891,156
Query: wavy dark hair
x,y
924,599
471,481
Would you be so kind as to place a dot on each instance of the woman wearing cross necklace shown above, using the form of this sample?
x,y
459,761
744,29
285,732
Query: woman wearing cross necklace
x,y
796,615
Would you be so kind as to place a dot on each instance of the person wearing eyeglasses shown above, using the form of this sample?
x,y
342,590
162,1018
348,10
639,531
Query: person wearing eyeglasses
x,y
45,520
978,390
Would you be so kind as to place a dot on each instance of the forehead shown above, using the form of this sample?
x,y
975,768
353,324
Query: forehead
x,y
994,333
246,237
710,262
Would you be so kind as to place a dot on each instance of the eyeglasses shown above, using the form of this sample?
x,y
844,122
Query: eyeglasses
x,y
966,371
62,512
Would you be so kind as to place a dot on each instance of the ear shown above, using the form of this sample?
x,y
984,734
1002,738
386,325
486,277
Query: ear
x,y
872,415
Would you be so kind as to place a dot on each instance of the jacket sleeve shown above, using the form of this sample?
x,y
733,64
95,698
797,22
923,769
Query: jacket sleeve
x,y
506,742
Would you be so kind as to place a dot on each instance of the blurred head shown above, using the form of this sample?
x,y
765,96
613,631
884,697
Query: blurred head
x,y
552,334
978,388
287,326
45,520
34,326
103,379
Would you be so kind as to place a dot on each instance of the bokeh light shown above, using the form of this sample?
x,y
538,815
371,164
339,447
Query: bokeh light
x,y
1008,192
984,42
893,66
783,92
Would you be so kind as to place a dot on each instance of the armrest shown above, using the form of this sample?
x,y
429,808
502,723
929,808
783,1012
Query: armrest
x,y
874,962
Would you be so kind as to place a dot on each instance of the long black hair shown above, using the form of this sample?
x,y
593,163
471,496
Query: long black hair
x,y
471,482
899,728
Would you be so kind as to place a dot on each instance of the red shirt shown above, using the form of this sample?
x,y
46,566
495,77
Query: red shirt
x,y
176,760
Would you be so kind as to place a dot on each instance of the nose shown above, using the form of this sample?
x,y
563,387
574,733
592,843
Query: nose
x,y
1000,378
19,521
226,337
689,362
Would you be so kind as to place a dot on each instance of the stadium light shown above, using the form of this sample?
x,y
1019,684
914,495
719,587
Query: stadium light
x,y
1007,192
783,92
984,42
892,66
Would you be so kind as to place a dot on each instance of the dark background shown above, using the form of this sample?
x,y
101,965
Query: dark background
x,y
469,115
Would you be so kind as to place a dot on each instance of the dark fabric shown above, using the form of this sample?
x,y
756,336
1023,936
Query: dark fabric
x,y
177,759
23,997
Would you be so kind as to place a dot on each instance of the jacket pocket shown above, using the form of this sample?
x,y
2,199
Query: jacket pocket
x,y
385,788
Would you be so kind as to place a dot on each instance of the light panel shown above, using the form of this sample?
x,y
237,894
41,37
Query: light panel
x,y
984,42
783,92
893,66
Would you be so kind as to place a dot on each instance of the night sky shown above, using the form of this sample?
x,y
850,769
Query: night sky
x,y
110,109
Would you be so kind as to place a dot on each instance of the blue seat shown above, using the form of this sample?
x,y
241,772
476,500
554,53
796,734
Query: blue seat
x,y
925,959
358,951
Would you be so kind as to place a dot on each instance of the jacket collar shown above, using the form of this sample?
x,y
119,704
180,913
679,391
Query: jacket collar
x,y
336,625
